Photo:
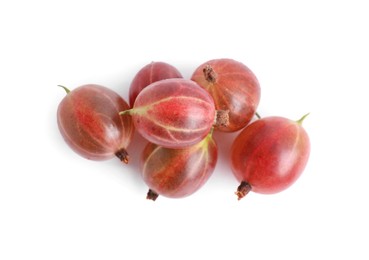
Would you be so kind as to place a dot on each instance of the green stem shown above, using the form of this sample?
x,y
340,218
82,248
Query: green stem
x,y
257,115
211,131
128,111
302,119
204,143
65,88
136,111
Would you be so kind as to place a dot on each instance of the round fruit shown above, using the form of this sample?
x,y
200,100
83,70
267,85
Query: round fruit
x,y
152,72
233,86
269,155
174,113
176,173
89,121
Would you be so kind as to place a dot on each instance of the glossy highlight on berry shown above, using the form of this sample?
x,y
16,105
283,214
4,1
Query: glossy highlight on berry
x,y
89,122
233,86
151,73
177,118
177,173
174,113
269,155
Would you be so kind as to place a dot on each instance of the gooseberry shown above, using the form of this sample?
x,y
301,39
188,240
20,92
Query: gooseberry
x,y
233,86
152,72
177,173
174,113
269,155
88,119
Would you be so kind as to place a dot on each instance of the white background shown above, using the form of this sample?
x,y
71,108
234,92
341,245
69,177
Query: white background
x,y
309,56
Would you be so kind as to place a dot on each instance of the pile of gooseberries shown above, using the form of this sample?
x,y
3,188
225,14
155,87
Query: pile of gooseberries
x,y
177,117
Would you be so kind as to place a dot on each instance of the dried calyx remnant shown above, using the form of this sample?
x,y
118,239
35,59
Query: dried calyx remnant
x,y
122,154
210,74
152,195
221,118
243,190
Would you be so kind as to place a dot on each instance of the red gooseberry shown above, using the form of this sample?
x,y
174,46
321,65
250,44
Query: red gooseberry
x,y
174,113
233,86
89,121
177,173
269,155
152,72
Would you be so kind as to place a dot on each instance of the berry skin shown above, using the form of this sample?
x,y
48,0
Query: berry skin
x,y
151,73
233,86
173,113
177,173
269,155
89,122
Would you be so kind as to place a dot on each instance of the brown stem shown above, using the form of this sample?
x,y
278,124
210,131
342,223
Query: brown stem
x,y
210,74
122,155
152,195
222,118
243,189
